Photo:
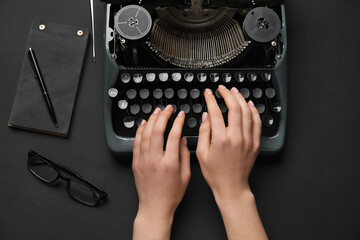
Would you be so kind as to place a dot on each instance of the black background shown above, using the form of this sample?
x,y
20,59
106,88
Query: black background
x,y
310,191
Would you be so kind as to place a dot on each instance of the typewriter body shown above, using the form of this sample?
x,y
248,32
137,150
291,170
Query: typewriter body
x,y
160,52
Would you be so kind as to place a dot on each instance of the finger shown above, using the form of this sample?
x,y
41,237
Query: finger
x,y
173,142
246,114
146,137
234,115
184,160
157,135
257,124
204,136
137,142
215,115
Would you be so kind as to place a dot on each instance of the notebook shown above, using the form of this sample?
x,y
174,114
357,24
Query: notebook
x,y
60,52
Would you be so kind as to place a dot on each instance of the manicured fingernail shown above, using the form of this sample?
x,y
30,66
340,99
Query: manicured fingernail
x,y
222,86
235,90
184,141
181,113
168,107
208,91
142,122
204,117
251,103
157,110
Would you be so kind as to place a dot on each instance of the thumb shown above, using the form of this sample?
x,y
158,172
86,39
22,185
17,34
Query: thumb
x,y
184,160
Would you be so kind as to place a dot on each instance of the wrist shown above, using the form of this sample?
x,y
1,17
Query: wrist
x,y
151,228
155,213
230,200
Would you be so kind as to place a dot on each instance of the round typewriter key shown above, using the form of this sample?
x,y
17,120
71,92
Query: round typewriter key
x,y
276,107
245,92
197,108
169,93
270,92
131,93
146,108
138,77
268,121
185,108
123,104
113,92
138,121
129,122
125,77
157,93
239,77
160,106
194,93
217,94
163,77
182,93
214,77
223,107
144,93
150,77
134,109
257,93
226,77
252,77
188,76
192,122
176,76
174,108
260,107
266,76
201,77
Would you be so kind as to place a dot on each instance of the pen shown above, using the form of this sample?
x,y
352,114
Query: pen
x,y
36,71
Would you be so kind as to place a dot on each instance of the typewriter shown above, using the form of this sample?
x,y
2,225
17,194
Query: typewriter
x,y
160,52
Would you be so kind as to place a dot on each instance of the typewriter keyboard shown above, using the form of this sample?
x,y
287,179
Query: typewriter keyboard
x,y
137,93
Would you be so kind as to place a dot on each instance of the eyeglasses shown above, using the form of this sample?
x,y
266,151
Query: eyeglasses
x,y
78,187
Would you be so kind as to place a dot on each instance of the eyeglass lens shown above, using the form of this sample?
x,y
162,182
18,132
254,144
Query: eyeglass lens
x,y
42,169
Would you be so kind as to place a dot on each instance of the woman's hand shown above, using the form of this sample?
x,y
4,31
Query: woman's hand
x,y
161,177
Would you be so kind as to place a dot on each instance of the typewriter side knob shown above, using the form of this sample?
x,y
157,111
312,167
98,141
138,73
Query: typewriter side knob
x,y
262,24
133,22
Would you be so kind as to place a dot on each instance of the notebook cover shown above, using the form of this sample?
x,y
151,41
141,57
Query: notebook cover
x,y
60,51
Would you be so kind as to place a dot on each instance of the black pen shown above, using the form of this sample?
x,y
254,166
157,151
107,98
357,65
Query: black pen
x,y
36,71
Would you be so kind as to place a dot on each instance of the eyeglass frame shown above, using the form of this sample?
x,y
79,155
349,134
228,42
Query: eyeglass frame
x,y
59,167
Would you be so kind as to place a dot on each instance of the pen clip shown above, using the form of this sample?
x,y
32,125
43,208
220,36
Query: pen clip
x,y
32,67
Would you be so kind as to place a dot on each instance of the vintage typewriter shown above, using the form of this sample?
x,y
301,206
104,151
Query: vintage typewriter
x,y
160,52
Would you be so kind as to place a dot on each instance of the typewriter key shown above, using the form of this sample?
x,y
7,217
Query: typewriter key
x,y
131,93
176,77
217,94
138,77
214,77
223,107
226,77
257,93
252,77
260,107
161,107
185,108
266,76
197,108
201,77
188,76
122,104
169,93
270,92
192,122
129,122
174,108
268,121
150,77
245,92
163,77
182,93
194,93
157,93
125,77
138,121
134,109
146,108
113,92
239,77
276,107
144,93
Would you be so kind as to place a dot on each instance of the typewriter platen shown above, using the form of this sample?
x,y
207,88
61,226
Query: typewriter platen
x,y
167,52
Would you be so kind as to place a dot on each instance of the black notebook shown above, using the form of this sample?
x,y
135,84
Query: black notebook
x,y
60,52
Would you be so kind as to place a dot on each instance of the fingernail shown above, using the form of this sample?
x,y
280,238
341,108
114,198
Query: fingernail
x,y
157,110
184,141
204,117
235,90
222,86
181,113
142,122
251,103
208,91
168,107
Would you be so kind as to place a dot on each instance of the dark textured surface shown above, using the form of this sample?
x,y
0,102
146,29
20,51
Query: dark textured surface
x,y
311,191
